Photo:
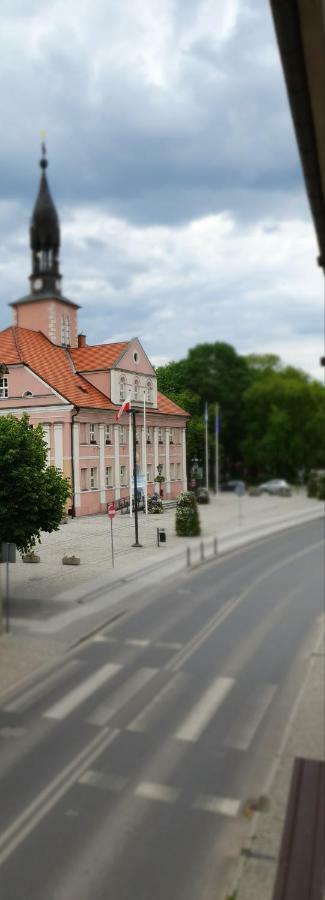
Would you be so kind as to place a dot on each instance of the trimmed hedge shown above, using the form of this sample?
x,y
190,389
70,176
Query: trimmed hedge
x,y
316,485
187,516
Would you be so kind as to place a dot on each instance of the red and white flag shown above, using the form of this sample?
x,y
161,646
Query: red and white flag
x,y
124,408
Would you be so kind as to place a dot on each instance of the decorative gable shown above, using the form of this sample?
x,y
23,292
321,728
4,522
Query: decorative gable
x,y
133,376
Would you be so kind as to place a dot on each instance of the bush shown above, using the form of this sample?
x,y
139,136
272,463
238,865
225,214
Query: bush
x,y
316,485
187,516
155,504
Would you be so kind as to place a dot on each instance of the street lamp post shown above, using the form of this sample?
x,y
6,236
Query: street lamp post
x,y
132,412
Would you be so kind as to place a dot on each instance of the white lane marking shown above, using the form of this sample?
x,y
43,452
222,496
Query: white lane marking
x,y
36,691
169,645
224,806
50,796
104,639
163,698
241,735
84,690
110,782
204,633
199,718
135,642
150,790
105,711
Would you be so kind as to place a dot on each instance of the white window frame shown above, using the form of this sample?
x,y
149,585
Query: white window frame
x,y
108,434
122,388
160,436
172,471
136,389
148,435
150,391
123,476
149,473
92,433
65,330
172,436
109,476
122,434
178,471
83,469
3,387
93,478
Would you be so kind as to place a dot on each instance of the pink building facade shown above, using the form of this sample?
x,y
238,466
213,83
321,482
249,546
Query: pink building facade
x,y
75,390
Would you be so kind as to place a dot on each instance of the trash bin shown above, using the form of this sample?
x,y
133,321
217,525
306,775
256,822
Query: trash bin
x,y
161,536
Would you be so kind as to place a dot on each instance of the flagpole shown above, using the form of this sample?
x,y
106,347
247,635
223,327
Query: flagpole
x,y
130,460
217,448
206,416
145,454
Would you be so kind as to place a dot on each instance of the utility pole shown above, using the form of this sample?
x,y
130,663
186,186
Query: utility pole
x,y
132,412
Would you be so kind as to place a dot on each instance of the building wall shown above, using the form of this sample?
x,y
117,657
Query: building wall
x,y
45,316
101,380
58,424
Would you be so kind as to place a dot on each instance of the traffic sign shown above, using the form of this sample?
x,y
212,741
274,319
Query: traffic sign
x,y
111,512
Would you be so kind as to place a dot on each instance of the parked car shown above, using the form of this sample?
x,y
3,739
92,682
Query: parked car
x,y
277,486
232,485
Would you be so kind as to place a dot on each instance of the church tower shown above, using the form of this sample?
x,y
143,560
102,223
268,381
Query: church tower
x,y
45,308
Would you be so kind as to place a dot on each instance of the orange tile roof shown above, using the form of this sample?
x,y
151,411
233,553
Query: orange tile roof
x,y
168,407
99,356
21,345
52,363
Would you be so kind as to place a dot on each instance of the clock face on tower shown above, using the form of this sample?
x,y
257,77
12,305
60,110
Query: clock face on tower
x,y
37,284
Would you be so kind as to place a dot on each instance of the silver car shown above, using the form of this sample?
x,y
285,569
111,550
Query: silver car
x,y
276,486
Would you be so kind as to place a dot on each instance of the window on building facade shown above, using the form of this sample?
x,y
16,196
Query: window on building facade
x,y
160,436
148,435
122,434
149,473
123,476
92,434
109,476
122,388
178,471
172,435
172,471
84,480
65,330
93,478
149,391
136,389
83,433
3,387
108,434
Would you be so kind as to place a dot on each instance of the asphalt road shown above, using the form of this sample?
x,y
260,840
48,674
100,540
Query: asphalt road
x,y
125,770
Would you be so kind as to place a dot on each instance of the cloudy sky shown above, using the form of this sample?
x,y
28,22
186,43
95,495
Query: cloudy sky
x,y
174,169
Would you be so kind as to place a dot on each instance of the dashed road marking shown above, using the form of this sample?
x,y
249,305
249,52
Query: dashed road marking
x,y
224,806
199,718
84,690
150,790
105,711
109,782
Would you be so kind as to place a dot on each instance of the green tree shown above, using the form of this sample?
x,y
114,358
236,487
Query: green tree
x,y
217,374
32,495
284,418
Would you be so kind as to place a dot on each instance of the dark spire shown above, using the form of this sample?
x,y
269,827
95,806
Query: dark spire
x,y
45,238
